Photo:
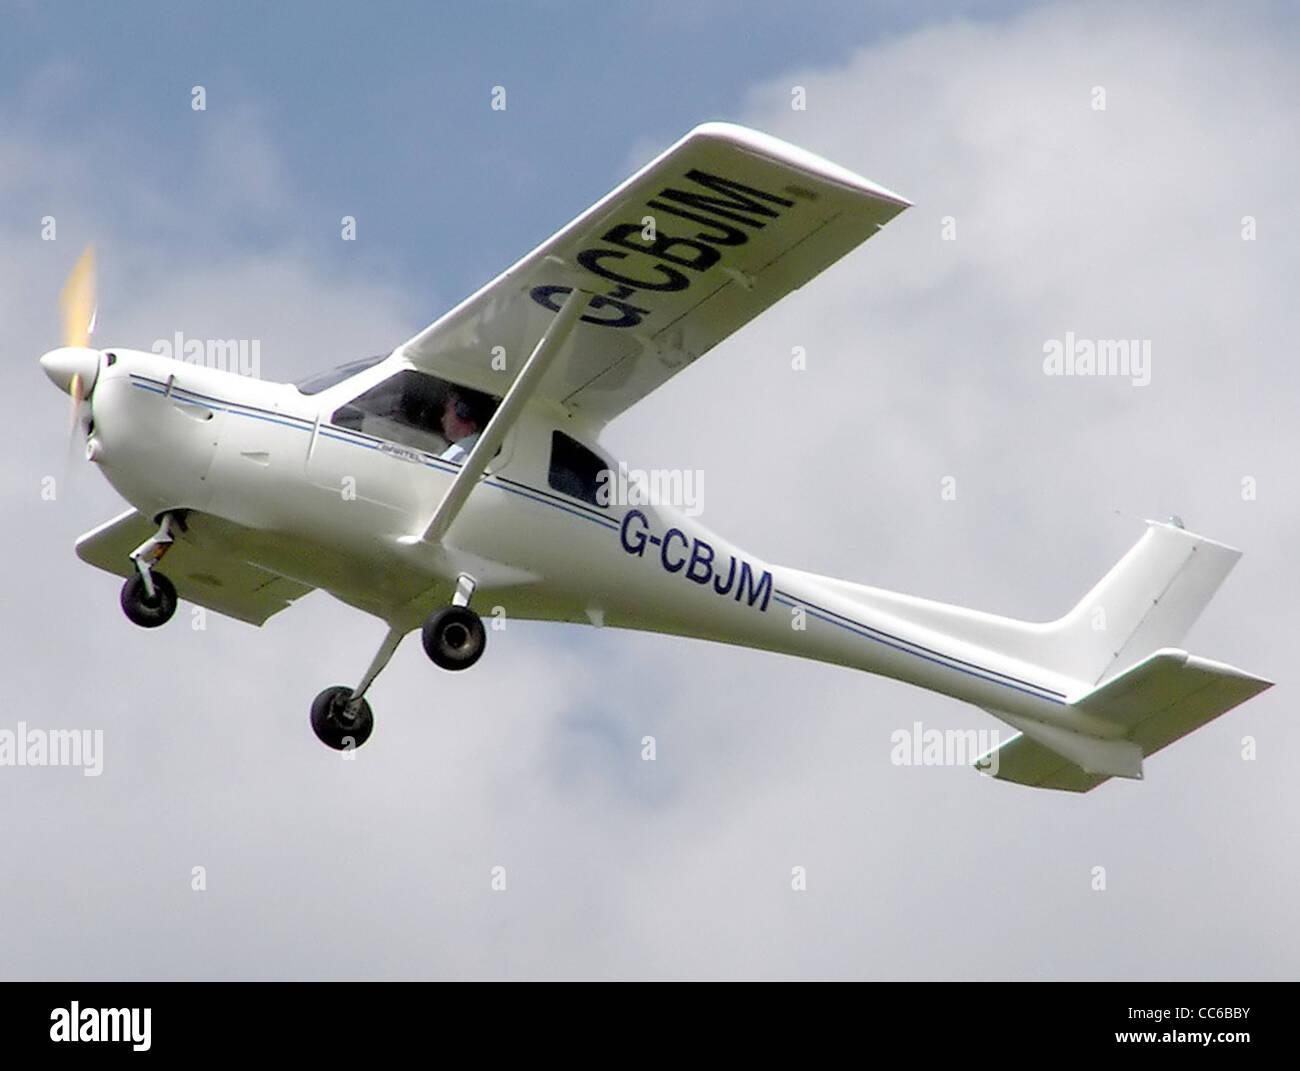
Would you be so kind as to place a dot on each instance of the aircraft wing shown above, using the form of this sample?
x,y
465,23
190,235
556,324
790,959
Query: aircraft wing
x,y
224,584
688,250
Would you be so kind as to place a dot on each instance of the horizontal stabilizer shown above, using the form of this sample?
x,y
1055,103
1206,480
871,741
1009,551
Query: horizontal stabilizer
x,y
1168,694
1150,705
1027,762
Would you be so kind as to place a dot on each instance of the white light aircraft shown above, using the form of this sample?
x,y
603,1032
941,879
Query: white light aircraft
x,y
473,460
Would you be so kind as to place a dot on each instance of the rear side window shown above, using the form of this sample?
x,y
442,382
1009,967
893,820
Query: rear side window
x,y
575,470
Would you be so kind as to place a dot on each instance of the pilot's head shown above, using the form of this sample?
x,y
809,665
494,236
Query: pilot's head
x,y
464,413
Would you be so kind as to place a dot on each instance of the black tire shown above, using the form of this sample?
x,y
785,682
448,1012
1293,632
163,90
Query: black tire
x,y
454,637
144,611
332,724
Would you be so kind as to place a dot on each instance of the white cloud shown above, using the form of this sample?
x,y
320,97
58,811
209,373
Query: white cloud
x,y
924,360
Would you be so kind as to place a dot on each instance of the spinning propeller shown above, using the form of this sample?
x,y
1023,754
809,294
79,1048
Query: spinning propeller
x,y
74,366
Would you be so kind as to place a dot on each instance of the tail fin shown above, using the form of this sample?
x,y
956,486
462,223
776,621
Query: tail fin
x,y
1146,602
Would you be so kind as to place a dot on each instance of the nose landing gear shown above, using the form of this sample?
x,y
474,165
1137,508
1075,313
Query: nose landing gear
x,y
149,598
149,609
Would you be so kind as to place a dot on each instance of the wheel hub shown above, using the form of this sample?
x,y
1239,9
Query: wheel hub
x,y
346,714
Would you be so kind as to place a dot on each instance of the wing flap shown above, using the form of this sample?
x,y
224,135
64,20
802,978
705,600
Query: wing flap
x,y
224,584
686,252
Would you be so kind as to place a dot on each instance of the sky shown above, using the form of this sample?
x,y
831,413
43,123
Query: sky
x,y
1165,215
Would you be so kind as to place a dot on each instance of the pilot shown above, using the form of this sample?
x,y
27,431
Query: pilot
x,y
464,415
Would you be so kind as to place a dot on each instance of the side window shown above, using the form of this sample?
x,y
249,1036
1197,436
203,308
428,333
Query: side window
x,y
575,470
413,409
405,408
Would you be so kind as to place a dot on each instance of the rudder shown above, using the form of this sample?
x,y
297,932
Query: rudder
x,y
1148,601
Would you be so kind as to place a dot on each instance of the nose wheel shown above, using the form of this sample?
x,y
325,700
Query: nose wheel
x,y
149,598
144,609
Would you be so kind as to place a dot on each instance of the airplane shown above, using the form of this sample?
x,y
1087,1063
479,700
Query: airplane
x,y
465,469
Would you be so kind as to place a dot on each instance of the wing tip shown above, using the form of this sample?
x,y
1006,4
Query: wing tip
x,y
770,145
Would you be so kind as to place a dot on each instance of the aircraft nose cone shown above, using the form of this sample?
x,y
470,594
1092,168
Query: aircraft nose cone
x,y
63,364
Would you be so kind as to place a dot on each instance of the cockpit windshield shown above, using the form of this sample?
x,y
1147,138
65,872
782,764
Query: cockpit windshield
x,y
319,381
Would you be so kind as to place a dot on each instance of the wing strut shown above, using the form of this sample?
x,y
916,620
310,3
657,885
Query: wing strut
x,y
539,361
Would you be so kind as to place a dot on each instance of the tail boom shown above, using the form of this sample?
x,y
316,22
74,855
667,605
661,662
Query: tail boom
x,y
1092,693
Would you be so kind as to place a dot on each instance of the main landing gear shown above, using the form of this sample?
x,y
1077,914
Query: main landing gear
x,y
149,598
341,719
454,638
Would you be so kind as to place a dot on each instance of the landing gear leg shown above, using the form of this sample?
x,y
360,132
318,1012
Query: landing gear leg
x,y
149,598
454,637
340,716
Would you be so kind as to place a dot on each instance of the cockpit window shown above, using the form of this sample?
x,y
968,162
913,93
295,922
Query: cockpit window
x,y
318,382
575,470
420,411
